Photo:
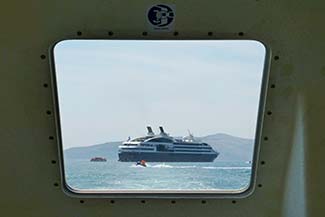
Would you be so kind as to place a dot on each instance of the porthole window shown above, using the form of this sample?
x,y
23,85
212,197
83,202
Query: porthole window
x,y
198,100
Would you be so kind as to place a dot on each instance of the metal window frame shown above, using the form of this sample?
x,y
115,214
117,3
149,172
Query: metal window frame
x,y
166,194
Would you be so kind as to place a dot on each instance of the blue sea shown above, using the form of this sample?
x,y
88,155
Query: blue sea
x,y
82,174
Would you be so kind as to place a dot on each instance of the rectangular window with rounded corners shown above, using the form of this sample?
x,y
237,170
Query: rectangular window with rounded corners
x,y
159,116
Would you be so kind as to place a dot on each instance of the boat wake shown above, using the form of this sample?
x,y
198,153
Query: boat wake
x,y
167,166
162,166
226,168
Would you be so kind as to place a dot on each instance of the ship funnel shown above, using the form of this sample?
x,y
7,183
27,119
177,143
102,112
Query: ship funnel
x,y
150,132
161,130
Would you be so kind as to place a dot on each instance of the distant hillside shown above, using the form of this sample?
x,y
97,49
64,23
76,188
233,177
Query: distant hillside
x,y
107,150
231,148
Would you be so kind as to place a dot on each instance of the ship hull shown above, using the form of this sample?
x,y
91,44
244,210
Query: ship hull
x,y
166,157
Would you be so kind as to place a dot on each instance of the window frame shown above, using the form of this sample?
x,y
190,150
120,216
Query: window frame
x,y
168,194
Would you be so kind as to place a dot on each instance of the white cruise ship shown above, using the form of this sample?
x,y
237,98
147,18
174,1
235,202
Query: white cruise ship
x,y
164,148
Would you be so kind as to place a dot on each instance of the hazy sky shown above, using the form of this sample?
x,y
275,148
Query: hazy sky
x,y
112,89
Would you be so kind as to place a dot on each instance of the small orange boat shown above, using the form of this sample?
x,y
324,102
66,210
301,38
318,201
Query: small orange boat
x,y
142,163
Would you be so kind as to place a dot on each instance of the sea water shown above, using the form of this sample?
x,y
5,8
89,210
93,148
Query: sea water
x,y
83,174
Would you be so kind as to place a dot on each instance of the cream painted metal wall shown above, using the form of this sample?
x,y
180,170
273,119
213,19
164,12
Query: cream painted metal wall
x,y
291,180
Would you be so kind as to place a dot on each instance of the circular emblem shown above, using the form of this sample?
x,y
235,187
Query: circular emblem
x,y
160,15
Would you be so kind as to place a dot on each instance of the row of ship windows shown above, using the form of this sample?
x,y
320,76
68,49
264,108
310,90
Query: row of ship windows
x,y
138,148
192,144
176,143
187,150
175,147
207,148
178,150
181,146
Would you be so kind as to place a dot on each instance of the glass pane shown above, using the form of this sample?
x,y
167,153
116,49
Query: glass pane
x,y
158,115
